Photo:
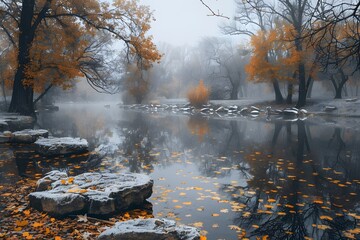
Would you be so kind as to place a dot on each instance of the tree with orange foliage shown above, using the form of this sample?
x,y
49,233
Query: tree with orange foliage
x,y
198,95
273,60
54,38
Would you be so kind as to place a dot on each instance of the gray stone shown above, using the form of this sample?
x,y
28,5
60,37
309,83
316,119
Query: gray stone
x,y
57,146
28,135
150,229
45,182
15,122
5,136
92,193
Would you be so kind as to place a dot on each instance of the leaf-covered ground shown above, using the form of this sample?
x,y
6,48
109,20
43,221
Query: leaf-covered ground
x,y
19,221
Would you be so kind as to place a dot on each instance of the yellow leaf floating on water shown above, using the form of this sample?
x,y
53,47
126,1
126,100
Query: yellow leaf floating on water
x,y
187,203
318,201
198,224
224,210
326,218
234,227
215,214
321,227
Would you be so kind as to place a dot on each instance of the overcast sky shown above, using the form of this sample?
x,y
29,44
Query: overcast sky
x,y
182,22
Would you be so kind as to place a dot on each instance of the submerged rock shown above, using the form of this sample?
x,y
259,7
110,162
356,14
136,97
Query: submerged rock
x,y
57,146
91,193
150,229
28,135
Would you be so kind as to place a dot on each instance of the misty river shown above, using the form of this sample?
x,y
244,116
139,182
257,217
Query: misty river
x,y
230,177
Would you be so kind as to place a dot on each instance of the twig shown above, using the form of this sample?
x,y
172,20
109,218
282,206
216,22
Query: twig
x,y
212,11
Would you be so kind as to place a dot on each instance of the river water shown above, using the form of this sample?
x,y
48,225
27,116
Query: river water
x,y
230,177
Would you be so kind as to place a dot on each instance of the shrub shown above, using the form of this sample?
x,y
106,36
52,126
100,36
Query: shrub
x,y
198,95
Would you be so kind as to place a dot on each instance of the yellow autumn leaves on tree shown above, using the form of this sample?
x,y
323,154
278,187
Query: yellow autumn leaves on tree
x,y
274,55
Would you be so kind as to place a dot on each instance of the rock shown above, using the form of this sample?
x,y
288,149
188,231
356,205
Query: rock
x,y
45,182
290,111
329,108
91,193
255,108
233,108
254,112
205,110
351,100
150,229
5,136
244,111
28,135
57,146
221,109
15,122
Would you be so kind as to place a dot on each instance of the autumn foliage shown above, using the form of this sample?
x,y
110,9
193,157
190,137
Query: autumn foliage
x,y
198,95
274,56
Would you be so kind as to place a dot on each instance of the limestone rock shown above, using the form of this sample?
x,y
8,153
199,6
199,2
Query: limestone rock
x,y
15,122
150,229
5,136
57,146
92,193
28,135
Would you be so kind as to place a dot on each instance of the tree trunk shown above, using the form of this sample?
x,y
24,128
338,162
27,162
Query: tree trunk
x,y
309,87
4,92
339,88
301,70
290,90
22,96
234,91
302,87
278,96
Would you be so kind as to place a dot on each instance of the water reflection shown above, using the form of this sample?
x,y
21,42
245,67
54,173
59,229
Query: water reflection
x,y
237,177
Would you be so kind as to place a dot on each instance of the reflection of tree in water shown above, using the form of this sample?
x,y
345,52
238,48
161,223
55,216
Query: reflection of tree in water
x,y
294,198
77,122
198,126
138,144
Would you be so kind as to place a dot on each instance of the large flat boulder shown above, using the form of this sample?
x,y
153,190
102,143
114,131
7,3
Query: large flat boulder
x,y
149,229
58,146
15,122
91,193
28,135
